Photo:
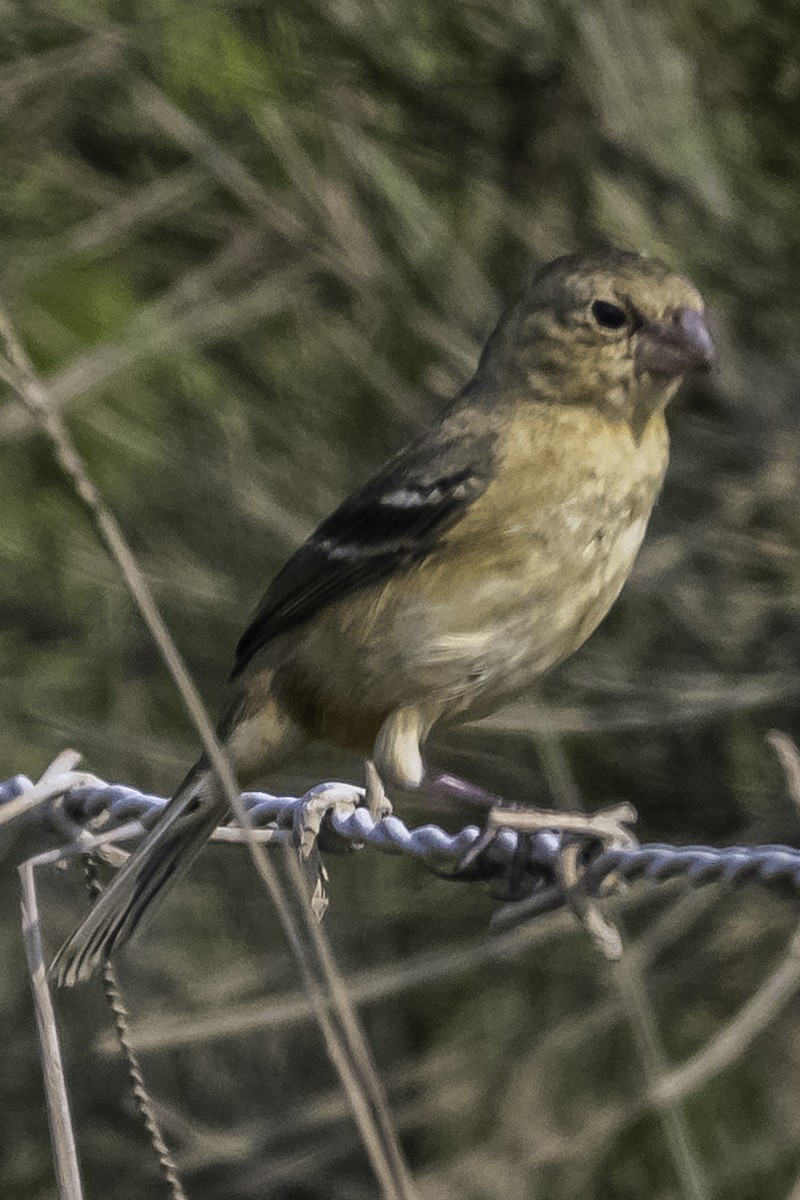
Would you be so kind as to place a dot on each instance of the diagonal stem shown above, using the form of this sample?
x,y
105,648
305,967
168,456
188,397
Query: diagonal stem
x,y
347,1049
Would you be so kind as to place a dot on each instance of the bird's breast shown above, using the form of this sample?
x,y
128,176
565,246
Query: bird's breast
x,y
514,587
535,566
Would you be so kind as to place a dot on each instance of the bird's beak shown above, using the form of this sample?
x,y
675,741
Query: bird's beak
x,y
673,347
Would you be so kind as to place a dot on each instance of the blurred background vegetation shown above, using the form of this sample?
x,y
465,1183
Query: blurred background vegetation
x,y
253,247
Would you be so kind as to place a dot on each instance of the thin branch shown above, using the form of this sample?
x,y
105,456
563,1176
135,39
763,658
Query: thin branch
x,y
344,1038
641,1017
158,327
626,976
751,1021
65,1153
53,68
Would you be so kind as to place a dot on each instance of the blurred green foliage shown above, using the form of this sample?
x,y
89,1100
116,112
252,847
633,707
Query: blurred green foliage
x,y
252,246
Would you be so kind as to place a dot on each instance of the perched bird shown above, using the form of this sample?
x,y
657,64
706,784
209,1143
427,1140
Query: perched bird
x,y
481,555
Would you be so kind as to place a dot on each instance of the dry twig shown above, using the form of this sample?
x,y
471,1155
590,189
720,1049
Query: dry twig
x,y
344,1038
65,1154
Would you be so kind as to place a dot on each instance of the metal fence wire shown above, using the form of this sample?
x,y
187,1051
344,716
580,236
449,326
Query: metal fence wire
x,y
519,866
539,871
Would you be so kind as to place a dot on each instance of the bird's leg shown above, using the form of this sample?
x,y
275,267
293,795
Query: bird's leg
x,y
452,787
378,803
608,826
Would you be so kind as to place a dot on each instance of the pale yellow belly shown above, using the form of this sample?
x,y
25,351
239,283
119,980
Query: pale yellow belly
x,y
452,641
490,638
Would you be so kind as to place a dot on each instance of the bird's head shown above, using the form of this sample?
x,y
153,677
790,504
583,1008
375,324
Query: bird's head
x,y
615,331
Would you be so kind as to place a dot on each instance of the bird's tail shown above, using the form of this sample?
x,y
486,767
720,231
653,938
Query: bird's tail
x,y
165,854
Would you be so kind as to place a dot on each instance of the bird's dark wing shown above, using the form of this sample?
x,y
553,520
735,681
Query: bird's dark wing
x,y
395,520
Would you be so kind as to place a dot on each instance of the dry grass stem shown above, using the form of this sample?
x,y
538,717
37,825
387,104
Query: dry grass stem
x,y
344,1039
730,1044
65,1153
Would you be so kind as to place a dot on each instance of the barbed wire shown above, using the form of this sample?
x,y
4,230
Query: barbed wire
x,y
520,866
541,871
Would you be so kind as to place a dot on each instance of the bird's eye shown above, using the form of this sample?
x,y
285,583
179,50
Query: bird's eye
x,y
609,315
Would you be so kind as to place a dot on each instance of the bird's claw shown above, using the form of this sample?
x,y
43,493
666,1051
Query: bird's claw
x,y
307,830
585,908
482,842
311,835
608,827
317,804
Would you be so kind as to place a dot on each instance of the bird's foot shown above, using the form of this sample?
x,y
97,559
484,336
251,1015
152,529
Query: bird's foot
x,y
309,829
585,907
608,827
307,825
312,834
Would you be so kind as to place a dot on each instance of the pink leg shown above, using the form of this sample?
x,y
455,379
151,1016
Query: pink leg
x,y
452,787
609,826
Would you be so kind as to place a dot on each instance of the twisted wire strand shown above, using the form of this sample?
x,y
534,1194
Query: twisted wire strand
x,y
139,1089
533,858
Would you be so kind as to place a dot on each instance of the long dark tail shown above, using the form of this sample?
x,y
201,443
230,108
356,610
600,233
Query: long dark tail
x,y
166,853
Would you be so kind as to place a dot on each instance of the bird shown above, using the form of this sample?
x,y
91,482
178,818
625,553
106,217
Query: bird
x,y
479,557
